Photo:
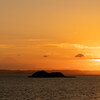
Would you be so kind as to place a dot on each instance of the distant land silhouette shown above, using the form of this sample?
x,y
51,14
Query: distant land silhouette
x,y
65,72
44,74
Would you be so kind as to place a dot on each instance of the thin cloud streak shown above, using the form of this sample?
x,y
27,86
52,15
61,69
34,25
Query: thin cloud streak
x,y
78,46
6,46
34,40
59,45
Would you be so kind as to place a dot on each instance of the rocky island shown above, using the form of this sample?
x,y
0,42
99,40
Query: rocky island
x,y
44,74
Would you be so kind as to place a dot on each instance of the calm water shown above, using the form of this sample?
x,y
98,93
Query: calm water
x,y
19,87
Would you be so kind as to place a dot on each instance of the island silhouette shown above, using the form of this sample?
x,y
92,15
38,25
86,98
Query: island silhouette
x,y
44,74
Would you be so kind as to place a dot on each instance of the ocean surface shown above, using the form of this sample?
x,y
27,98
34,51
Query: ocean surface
x,y
20,87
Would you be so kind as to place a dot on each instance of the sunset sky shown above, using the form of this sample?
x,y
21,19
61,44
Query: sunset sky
x,y
58,29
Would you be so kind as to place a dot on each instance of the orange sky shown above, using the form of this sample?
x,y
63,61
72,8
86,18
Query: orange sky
x,y
60,29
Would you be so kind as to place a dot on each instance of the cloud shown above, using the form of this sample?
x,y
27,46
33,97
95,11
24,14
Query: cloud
x,y
79,55
33,40
73,46
5,46
60,45
51,45
85,47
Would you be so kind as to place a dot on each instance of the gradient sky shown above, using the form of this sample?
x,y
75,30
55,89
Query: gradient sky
x,y
61,29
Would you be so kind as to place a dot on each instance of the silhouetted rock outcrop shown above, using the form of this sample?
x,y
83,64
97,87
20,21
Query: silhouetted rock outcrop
x,y
44,74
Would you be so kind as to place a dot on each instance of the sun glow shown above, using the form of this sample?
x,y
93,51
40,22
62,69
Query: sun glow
x,y
95,59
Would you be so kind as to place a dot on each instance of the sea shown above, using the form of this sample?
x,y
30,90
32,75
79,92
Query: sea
x,y
20,87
